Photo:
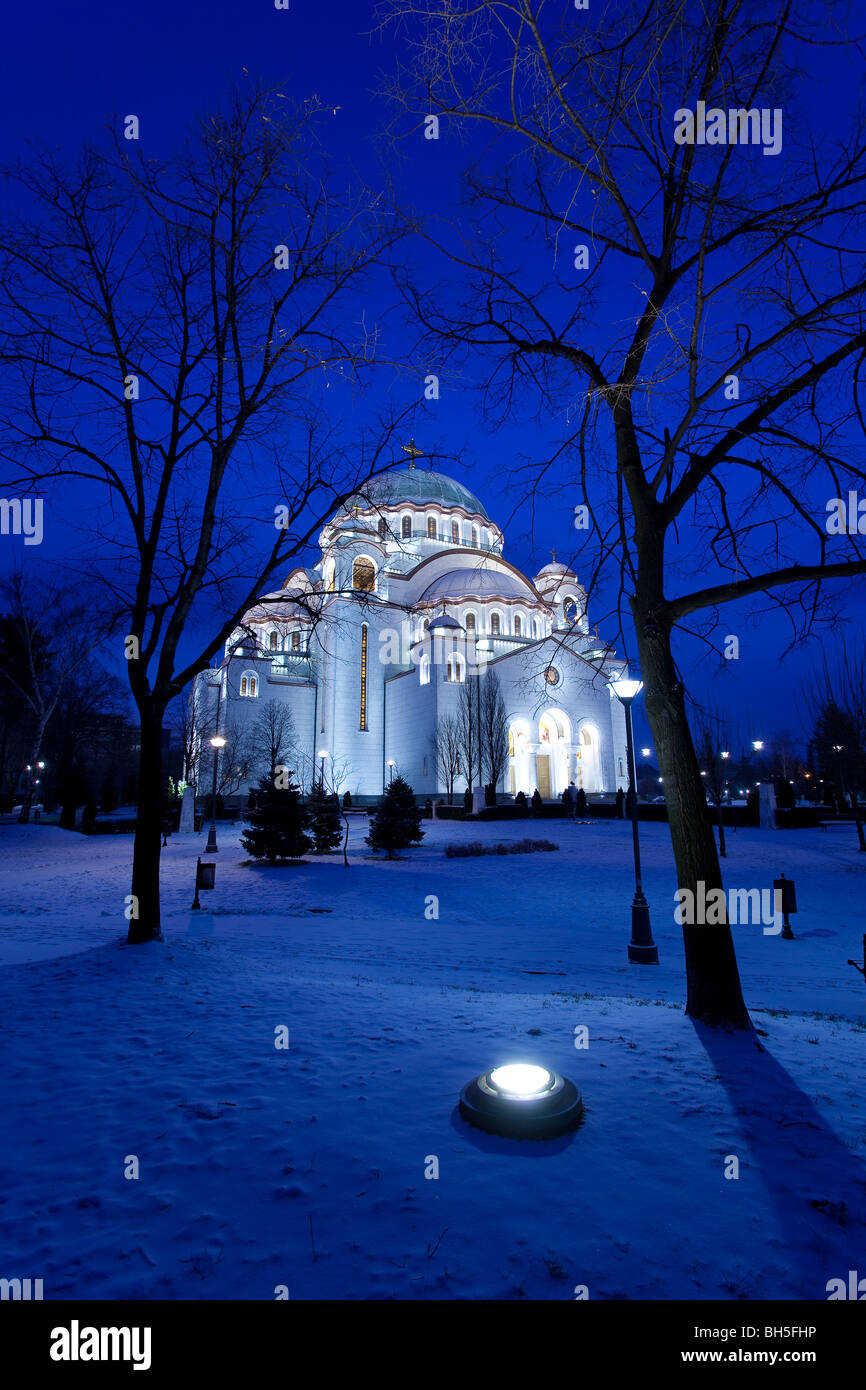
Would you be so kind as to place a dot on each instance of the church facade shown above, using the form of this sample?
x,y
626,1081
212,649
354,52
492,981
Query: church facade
x,y
368,649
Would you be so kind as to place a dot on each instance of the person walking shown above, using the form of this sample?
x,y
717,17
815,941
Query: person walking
x,y
571,800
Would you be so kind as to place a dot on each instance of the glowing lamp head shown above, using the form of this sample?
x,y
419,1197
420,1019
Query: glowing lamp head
x,y
522,1101
625,690
217,741
520,1080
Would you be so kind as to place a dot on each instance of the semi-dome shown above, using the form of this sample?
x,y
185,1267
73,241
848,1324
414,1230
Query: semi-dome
x,y
417,485
476,583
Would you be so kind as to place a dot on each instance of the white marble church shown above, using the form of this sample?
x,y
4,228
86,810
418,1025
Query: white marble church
x,y
368,648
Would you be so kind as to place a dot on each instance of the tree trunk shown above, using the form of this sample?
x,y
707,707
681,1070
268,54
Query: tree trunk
x,y
24,814
714,994
146,849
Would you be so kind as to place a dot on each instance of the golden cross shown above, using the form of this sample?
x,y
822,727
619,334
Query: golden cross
x,y
412,451
553,553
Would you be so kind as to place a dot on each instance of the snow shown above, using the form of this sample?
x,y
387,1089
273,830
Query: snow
x,y
306,1167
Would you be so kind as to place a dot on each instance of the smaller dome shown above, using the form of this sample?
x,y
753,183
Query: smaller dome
x,y
555,571
445,621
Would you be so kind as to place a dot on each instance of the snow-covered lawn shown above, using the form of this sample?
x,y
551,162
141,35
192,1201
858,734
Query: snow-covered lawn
x,y
305,1167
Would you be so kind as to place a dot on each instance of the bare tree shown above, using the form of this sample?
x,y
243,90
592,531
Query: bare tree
x,y
690,325
271,739
190,730
447,744
237,758
468,717
494,729
54,636
168,328
714,757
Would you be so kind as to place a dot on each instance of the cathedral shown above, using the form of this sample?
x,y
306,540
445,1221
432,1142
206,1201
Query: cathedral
x,y
369,648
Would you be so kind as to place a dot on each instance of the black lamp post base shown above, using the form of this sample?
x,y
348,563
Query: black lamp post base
x,y
211,847
642,950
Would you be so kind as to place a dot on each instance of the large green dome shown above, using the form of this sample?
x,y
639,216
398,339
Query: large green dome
x,y
418,485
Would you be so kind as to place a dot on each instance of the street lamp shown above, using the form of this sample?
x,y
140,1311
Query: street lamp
x,y
216,743
391,765
645,752
323,754
642,950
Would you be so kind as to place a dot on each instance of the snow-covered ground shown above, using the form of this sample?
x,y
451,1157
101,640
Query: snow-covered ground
x,y
305,1167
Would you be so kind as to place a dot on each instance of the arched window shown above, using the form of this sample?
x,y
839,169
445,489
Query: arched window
x,y
455,532
536,628
431,528
383,528
569,610
470,622
364,575
406,528
424,670
518,625
273,640
475,536
249,684
455,670
494,624
330,576
296,641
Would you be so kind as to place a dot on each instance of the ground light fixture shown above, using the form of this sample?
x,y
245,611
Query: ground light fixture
x,y
522,1101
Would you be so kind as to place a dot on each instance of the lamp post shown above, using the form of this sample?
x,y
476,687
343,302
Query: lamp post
x,y
391,766
216,743
323,754
642,950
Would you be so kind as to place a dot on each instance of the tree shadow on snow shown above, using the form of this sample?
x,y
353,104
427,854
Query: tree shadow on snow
x,y
816,1183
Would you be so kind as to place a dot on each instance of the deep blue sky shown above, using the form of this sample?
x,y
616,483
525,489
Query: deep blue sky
x,y
68,69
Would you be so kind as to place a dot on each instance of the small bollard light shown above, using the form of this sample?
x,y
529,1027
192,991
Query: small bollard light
x,y
789,903
205,876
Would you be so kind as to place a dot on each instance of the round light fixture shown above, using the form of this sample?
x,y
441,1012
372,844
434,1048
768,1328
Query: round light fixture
x,y
522,1101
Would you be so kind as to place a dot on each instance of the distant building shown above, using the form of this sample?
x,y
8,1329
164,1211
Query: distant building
x,y
369,648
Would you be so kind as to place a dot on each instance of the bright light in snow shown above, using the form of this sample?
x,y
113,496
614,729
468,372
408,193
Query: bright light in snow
x,y
520,1079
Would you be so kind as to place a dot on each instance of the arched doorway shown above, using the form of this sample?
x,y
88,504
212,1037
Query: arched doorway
x,y
554,753
587,759
521,776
